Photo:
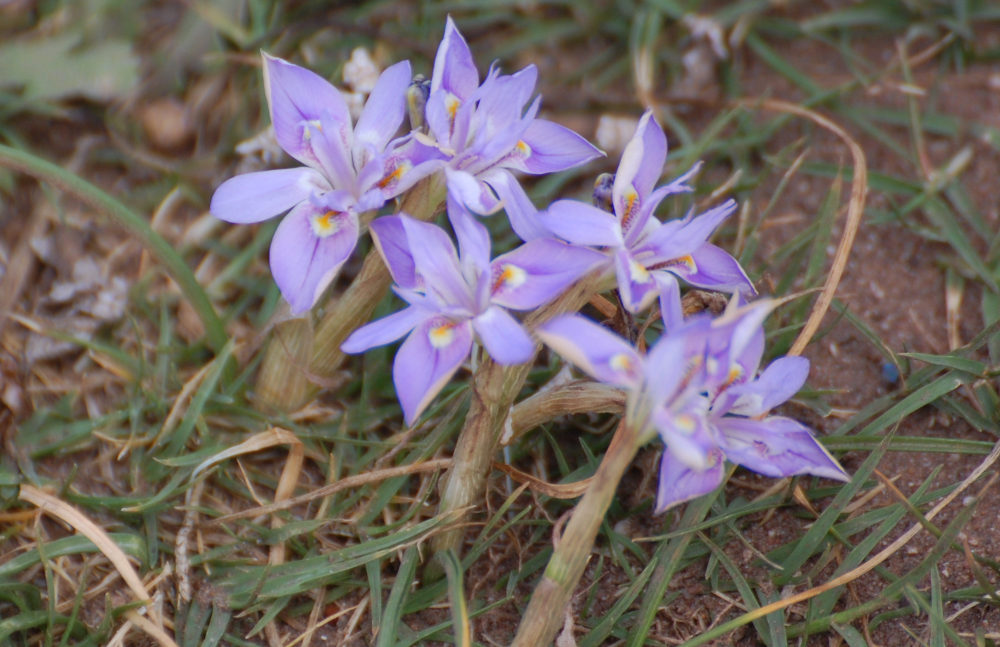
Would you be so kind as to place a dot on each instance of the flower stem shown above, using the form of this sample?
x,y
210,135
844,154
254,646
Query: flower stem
x,y
544,614
319,355
494,389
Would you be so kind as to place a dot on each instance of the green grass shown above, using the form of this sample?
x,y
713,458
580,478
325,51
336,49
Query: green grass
x,y
176,372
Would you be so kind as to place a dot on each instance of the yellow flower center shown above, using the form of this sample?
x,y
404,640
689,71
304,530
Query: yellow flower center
x,y
621,362
442,335
510,276
325,224
393,176
631,198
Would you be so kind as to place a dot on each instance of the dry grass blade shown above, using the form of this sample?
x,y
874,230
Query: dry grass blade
x,y
855,209
556,491
343,484
82,524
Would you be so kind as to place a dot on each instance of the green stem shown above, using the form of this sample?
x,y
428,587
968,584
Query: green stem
x,y
319,363
135,224
545,612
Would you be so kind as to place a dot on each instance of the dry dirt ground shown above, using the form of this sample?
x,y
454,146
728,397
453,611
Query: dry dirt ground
x,y
895,281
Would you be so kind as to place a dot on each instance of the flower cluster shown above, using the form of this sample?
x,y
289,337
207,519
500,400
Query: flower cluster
x,y
698,388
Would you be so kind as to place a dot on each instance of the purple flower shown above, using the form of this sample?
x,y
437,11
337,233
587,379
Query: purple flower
x,y
698,390
649,255
348,170
490,129
456,297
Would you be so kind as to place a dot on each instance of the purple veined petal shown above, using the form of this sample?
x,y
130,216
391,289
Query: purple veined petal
x,y
521,213
552,147
437,264
503,337
716,270
307,251
504,146
383,112
680,238
640,167
594,349
636,285
671,310
407,161
777,384
297,98
389,237
426,361
679,483
454,68
253,197
582,224
649,205
331,144
777,447
539,271
473,240
501,100
385,330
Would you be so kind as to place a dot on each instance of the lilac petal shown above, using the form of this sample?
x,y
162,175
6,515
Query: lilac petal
x,y
384,331
441,113
454,69
332,148
383,113
596,350
582,224
677,185
671,310
407,161
679,483
686,435
717,270
666,372
304,263
781,380
471,192
389,237
552,147
639,169
636,285
521,212
473,239
501,101
426,361
297,98
679,238
778,447
504,338
436,263
253,197
538,271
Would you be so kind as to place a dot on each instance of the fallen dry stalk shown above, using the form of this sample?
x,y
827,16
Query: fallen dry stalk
x,y
343,484
855,209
